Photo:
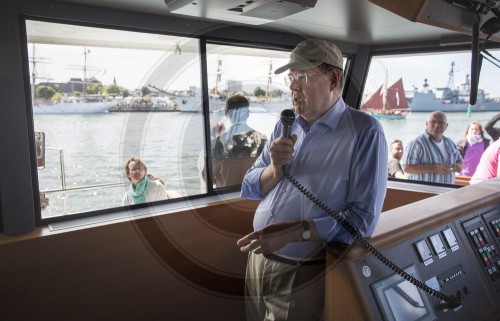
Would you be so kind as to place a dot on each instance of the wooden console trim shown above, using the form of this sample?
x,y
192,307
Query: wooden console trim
x,y
411,220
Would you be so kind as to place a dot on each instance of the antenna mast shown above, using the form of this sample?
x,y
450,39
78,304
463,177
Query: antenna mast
x,y
218,75
269,79
85,52
451,77
384,90
34,74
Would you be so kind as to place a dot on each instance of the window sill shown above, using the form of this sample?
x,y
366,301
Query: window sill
x,y
117,217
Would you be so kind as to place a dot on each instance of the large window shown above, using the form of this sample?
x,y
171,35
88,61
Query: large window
x,y
100,97
237,137
430,82
239,134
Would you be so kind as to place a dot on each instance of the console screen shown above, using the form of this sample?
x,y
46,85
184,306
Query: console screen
x,y
401,300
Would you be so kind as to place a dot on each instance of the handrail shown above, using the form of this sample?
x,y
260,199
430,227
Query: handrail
x,y
108,185
64,188
62,168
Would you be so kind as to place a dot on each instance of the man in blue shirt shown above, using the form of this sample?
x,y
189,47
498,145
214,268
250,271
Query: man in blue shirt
x,y
337,153
432,157
237,147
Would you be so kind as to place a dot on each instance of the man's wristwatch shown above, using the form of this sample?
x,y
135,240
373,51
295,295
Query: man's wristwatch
x,y
306,232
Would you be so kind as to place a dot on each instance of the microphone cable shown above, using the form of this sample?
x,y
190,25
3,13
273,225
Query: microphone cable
x,y
451,301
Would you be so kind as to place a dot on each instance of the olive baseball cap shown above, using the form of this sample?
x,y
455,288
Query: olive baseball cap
x,y
312,53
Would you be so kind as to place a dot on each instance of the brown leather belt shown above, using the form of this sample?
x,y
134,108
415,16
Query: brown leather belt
x,y
277,258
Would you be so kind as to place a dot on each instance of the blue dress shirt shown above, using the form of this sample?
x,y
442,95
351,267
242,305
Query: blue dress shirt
x,y
342,159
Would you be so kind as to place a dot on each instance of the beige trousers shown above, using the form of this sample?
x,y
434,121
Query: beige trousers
x,y
279,291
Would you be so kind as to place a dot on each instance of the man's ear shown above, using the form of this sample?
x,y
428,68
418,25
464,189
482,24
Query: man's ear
x,y
335,78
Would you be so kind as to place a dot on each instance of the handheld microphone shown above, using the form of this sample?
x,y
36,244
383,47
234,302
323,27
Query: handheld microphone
x,y
287,117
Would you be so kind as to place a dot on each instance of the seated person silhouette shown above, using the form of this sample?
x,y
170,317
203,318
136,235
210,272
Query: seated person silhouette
x,y
235,150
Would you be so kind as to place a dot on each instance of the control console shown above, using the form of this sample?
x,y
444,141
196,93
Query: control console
x,y
453,251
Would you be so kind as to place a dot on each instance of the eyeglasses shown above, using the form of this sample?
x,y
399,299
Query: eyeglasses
x,y
300,78
439,123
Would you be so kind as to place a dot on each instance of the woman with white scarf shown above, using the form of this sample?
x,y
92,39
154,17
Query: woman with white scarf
x,y
144,187
472,147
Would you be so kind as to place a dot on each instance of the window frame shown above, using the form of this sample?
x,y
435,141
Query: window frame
x,y
31,131
16,219
203,41
423,48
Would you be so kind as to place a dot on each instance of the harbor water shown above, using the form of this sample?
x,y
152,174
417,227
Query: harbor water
x,y
91,150
414,125
93,147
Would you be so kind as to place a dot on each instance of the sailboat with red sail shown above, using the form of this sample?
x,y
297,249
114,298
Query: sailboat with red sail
x,y
391,105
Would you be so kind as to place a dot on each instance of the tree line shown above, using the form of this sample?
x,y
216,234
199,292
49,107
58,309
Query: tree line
x,y
93,86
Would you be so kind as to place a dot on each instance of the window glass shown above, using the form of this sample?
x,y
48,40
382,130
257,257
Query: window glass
x,y
101,96
235,75
244,80
402,91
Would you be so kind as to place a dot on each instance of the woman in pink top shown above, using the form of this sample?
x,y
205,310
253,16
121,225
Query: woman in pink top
x,y
489,166
472,147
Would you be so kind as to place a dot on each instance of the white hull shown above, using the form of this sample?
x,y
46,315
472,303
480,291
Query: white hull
x,y
278,106
452,100
74,108
194,104
437,105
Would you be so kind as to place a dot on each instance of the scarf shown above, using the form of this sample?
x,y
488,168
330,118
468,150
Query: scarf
x,y
474,139
140,192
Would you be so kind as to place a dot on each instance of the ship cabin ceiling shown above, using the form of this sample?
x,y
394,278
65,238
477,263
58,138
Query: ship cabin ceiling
x,y
359,22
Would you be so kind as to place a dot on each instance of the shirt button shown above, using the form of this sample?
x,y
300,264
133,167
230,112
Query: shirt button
x,y
284,190
272,215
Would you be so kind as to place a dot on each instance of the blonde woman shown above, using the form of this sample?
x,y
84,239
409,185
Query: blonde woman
x,y
144,187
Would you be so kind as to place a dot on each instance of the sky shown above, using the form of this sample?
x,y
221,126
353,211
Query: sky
x,y
60,63
414,69
56,63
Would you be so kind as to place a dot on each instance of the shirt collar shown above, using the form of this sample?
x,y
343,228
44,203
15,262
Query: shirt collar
x,y
429,137
331,118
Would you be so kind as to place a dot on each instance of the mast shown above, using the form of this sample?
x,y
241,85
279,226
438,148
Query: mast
x,y
34,74
451,77
218,75
85,69
384,89
425,86
384,95
85,52
269,79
